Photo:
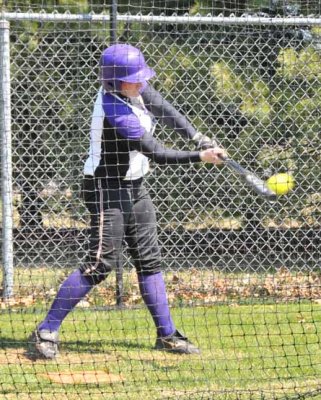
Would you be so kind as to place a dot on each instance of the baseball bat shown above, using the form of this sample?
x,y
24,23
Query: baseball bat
x,y
257,184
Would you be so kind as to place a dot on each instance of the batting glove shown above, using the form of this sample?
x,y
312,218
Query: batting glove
x,y
203,142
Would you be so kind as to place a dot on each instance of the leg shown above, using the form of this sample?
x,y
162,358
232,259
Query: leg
x,y
105,245
153,290
73,289
141,235
104,249
45,337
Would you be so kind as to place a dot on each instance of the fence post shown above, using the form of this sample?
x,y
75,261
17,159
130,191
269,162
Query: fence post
x,y
6,160
119,263
113,22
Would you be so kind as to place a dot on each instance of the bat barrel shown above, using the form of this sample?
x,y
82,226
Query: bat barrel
x,y
257,184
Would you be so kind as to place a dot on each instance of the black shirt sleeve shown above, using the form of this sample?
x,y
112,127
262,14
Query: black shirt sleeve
x,y
167,113
154,150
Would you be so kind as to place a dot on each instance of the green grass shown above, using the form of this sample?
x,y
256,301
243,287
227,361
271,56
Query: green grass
x,y
253,351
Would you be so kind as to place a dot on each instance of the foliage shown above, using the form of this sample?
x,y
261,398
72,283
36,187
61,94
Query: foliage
x,y
263,108
282,114
191,286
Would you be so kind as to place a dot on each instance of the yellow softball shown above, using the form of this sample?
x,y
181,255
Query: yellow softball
x,y
280,183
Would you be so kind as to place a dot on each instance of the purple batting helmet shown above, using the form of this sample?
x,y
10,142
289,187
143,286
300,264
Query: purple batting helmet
x,y
123,62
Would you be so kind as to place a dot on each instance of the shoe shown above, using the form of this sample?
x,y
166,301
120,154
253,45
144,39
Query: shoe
x,y
44,344
176,343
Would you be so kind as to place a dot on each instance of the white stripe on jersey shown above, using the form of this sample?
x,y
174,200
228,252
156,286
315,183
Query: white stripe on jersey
x,y
96,133
138,163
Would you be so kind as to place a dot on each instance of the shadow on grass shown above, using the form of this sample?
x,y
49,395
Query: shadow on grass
x,y
97,346
9,343
74,346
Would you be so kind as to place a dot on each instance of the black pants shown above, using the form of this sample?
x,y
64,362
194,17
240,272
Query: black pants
x,y
118,214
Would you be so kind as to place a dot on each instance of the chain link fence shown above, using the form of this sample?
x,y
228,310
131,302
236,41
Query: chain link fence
x,y
253,87
252,84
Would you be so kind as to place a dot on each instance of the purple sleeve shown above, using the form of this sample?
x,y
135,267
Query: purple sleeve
x,y
122,118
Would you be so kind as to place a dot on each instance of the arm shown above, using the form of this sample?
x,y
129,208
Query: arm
x,y
172,118
166,112
128,127
154,150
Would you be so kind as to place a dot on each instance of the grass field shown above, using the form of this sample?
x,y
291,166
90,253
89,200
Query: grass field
x,y
253,351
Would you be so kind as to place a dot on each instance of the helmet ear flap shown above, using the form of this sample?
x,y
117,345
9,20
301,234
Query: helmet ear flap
x,y
111,86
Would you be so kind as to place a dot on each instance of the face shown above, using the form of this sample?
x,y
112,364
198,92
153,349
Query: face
x,y
129,89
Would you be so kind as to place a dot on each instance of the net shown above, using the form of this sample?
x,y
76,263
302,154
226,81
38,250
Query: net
x,y
242,274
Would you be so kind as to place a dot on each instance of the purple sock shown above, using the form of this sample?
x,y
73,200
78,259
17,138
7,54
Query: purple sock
x,y
153,291
73,289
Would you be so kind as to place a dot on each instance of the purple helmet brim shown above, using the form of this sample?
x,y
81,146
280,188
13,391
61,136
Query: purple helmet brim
x,y
141,76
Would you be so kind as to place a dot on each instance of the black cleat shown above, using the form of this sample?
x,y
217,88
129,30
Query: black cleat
x,y
44,344
176,343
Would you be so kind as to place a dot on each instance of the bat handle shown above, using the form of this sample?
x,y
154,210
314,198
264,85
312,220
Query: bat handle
x,y
223,158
